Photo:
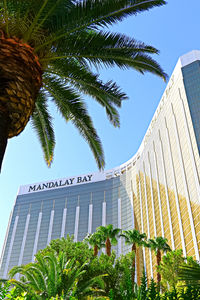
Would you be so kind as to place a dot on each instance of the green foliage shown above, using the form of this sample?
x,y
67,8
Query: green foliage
x,y
153,292
124,281
143,287
81,253
174,267
54,274
4,288
190,274
118,284
17,295
68,270
69,38
73,250
169,268
190,292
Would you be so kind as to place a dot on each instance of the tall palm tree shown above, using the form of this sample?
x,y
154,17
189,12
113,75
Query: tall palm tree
x,y
136,239
96,240
109,235
47,49
52,275
158,244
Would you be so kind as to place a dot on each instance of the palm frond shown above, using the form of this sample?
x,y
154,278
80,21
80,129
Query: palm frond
x,y
103,13
35,19
101,40
104,49
21,285
95,41
114,241
133,237
89,82
190,274
85,288
38,273
89,14
30,277
72,108
15,270
106,94
41,122
159,243
94,13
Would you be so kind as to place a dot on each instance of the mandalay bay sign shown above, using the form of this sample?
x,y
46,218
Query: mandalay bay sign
x,y
61,183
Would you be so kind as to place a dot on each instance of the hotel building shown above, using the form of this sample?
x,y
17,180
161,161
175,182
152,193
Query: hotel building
x,y
157,191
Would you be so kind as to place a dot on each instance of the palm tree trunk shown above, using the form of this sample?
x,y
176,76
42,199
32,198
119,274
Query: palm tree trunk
x,y
133,265
108,247
158,257
4,123
95,250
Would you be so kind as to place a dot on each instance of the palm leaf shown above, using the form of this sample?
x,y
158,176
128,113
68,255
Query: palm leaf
x,y
190,274
88,82
72,108
41,122
85,288
107,95
101,48
94,13
36,276
92,41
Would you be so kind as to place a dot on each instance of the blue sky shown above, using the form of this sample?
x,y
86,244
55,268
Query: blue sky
x,y
174,30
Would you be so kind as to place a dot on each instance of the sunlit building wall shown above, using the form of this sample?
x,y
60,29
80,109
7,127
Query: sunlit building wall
x,y
157,191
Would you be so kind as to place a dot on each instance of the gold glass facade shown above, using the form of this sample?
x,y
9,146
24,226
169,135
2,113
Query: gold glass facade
x,y
164,174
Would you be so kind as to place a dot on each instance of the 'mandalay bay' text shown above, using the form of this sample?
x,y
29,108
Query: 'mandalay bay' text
x,y
59,183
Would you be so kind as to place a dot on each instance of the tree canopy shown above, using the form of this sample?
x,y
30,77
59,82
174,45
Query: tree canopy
x,y
51,49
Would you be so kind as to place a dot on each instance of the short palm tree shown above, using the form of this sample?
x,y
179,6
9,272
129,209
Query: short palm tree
x,y
158,244
47,49
136,239
52,275
96,240
109,235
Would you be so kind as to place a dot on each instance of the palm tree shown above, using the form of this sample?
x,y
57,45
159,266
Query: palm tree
x,y
136,239
47,49
52,275
96,240
109,236
158,244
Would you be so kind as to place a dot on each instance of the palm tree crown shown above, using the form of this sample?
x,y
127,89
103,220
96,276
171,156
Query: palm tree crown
x,y
134,237
49,47
109,236
159,243
97,241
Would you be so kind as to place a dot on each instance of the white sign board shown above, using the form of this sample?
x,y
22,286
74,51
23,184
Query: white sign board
x,y
61,183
